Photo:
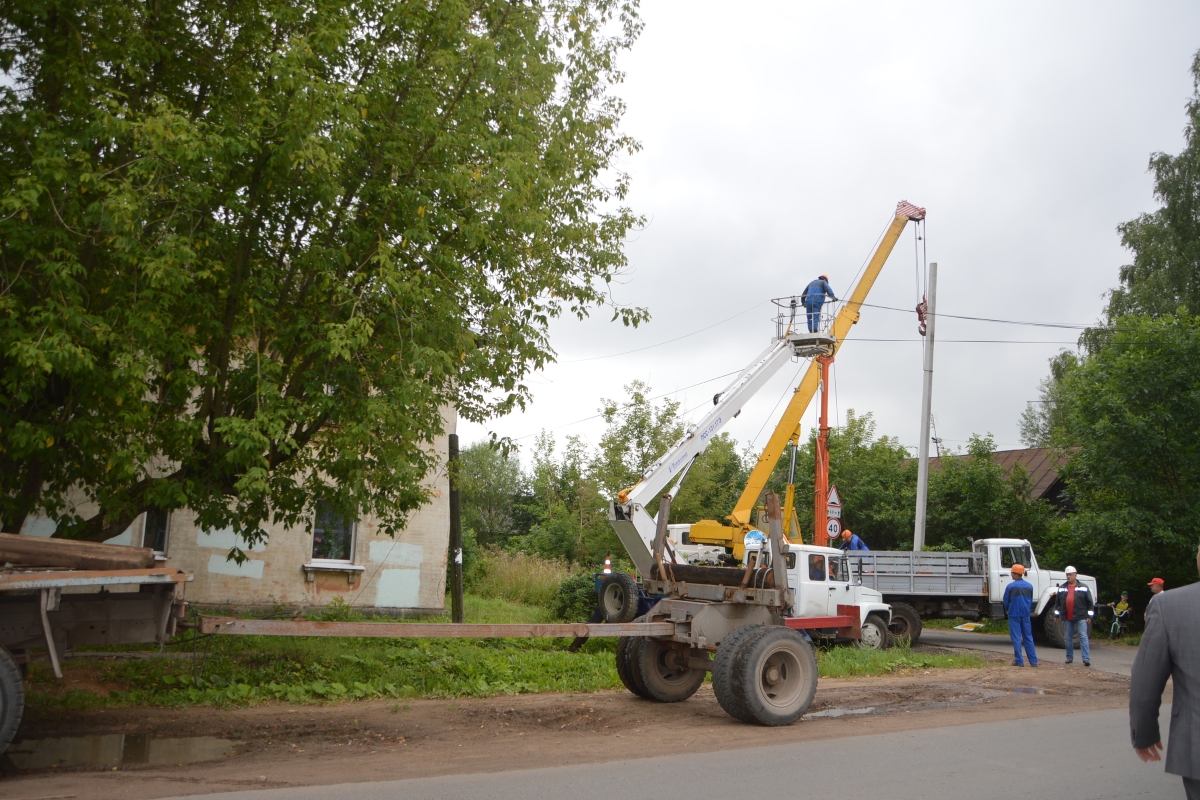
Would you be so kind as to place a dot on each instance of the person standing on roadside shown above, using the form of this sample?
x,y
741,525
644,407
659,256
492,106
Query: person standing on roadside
x,y
1074,606
1018,605
1157,586
1170,648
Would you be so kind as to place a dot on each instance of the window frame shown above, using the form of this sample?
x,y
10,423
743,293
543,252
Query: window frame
x,y
159,555
813,560
317,561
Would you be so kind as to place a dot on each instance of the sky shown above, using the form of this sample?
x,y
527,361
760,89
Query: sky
x,y
777,138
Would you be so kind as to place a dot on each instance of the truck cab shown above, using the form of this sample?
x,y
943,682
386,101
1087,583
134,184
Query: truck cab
x,y
1001,554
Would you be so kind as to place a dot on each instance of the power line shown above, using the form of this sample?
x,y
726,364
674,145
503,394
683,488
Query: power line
x,y
668,341
1070,325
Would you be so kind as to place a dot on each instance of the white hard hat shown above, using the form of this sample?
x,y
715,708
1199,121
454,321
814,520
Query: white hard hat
x,y
1071,570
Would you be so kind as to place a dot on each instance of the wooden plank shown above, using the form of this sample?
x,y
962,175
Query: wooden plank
x,y
115,577
427,630
34,551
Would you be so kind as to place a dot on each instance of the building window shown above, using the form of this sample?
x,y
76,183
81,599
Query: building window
x,y
333,535
154,531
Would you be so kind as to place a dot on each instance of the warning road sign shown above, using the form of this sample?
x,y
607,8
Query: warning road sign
x,y
833,527
833,499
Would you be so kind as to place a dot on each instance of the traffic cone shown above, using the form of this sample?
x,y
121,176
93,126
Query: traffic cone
x,y
607,565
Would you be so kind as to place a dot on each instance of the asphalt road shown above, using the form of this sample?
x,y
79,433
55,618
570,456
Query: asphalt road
x,y
1107,657
1073,757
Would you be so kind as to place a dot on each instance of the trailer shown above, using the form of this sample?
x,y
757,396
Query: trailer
x,y
57,610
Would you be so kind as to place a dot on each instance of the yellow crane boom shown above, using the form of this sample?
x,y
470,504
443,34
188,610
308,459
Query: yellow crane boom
x,y
712,532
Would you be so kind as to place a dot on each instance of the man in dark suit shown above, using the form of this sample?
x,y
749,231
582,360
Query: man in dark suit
x,y
1170,648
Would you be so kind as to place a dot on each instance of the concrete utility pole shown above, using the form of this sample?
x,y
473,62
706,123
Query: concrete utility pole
x,y
926,411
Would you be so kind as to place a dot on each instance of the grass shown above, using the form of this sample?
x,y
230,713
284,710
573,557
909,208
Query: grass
x,y
519,578
246,670
850,662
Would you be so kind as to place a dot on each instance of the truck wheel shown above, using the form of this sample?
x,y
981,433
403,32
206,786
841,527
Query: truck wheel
x,y
725,667
776,676
906,624
662,676
1053,627
627,647
618,597
12,699
874,634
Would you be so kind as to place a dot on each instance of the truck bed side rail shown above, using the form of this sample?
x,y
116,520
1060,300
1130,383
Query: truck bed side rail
x,y
902,572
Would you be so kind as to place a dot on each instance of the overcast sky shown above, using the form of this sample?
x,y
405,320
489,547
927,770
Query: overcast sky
x,y
777,138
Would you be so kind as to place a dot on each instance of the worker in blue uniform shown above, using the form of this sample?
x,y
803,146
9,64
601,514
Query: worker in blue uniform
x,y
1018,605
814,297
851,541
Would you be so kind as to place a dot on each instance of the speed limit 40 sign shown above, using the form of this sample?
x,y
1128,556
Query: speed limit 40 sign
x,y
833,527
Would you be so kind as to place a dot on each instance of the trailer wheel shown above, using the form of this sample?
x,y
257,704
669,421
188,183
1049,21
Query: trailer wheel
x,y
906,624
12,699
874,634
662,676
618,597
627,647
725,665
776,677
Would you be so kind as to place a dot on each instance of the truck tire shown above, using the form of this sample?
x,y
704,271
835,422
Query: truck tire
x,y
724,668
906,624
1052,626
776,676
664,680
618,597
12,699
874,634
627,647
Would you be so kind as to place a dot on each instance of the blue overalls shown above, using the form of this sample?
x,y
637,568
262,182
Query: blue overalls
x,y
1018,605
814,298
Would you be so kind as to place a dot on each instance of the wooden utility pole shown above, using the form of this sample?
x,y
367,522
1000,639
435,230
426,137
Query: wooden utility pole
x,y
926,411
456,553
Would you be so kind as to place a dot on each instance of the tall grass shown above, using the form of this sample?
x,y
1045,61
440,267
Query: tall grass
x,y
518,577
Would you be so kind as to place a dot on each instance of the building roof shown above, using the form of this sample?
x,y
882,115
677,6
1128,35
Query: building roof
x,y
1041,463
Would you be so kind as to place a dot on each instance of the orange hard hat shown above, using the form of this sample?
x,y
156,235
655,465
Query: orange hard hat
x,y
1018,569
846,534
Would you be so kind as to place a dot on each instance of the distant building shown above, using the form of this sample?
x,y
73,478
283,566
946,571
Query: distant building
x,y
1042,465
347,559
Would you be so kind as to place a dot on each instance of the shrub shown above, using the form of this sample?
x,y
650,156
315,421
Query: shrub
x,y
576,598
519,577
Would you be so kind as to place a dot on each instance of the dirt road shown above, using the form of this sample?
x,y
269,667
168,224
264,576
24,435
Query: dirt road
x,y
279,745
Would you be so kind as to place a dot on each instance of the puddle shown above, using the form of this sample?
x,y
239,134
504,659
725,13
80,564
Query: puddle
x,y
1028,690
840,712
116,750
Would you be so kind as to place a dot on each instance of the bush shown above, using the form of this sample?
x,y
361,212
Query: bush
x,y
576,598
519,577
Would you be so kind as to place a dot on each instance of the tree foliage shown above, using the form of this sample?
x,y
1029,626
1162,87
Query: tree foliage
x,y
249,251
1165,273
1133,407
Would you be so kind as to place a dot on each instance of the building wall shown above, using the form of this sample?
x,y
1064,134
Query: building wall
x,y
405,573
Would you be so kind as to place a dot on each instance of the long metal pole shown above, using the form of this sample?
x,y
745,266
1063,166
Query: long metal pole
x,y
821,493
456,553
926,411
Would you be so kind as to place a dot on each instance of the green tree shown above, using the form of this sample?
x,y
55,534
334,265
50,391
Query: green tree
x,y
249,251
1165,273
1134,409
490,480
971,496
638,433
1043,423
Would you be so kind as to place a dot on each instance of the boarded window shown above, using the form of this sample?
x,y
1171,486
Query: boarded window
x,y
154,530
333,535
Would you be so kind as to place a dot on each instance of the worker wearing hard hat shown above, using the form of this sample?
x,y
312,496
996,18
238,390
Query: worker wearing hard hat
x,y
1074,606
1018,605
850,541
814,297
